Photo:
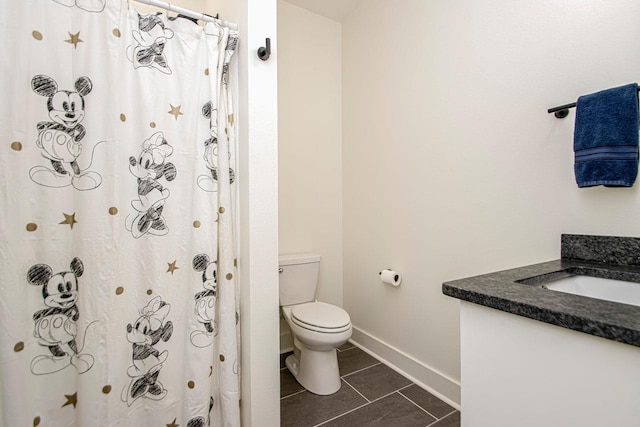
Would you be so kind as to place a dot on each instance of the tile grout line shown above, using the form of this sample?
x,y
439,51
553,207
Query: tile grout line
x,y
429,413
293,394
361,369
437,421
351,410
344,413
381,397
369,402
386,395
356,390
454,410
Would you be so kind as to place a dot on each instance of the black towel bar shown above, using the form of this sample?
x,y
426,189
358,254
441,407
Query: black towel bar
x,y
562,111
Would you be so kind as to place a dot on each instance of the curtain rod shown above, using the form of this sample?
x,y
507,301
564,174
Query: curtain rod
x,y
187,12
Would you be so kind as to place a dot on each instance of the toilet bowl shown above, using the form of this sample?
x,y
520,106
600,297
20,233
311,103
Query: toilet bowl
x,y
317,328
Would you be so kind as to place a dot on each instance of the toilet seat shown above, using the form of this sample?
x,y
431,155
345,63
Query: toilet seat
x,y
321,317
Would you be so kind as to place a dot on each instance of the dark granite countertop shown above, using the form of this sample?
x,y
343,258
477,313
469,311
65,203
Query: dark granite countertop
x,y
519,290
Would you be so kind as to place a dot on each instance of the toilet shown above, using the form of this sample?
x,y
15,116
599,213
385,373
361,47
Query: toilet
x,y
317,328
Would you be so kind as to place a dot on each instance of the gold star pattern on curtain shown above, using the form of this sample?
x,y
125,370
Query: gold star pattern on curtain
x,y
72,399
175,111
74,39
172,267
69,219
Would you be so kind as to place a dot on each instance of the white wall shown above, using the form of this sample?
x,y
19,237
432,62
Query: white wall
x,y
451,165
310,144
258,182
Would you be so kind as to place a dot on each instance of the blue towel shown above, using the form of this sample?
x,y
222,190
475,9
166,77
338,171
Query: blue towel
x,y
605,138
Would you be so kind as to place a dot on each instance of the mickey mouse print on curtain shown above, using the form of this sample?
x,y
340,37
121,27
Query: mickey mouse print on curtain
x,y
60,139
205,302
56,326
119,287
209,181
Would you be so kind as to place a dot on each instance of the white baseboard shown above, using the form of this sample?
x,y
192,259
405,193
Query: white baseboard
x,y
435,382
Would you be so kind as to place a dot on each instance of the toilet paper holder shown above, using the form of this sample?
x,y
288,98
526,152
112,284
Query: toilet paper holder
x,y
390,277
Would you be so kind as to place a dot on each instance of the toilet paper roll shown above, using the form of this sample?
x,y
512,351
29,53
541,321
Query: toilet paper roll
x,y
390,277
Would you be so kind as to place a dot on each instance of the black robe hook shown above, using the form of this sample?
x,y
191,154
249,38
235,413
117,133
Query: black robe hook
x,y
265,52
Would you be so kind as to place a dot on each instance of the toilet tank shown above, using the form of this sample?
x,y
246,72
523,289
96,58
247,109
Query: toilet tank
x,y
298,278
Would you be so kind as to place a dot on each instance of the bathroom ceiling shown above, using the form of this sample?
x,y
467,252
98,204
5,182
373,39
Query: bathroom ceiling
x,y
333,9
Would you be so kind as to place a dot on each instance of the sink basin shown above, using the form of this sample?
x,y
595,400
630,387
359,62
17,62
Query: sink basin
x,y
597,287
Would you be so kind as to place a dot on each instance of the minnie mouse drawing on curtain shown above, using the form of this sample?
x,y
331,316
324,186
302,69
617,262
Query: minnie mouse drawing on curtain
x,y
151,41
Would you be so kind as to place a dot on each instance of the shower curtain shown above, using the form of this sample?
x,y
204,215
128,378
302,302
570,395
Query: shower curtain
x,y
118,287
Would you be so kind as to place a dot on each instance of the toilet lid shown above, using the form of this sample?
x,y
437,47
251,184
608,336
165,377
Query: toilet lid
x,y
320,315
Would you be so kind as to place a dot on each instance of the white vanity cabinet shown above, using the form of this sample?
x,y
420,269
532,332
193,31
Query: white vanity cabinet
x,y
519,372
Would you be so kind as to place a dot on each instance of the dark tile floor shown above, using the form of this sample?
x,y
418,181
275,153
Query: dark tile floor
x,y
372,394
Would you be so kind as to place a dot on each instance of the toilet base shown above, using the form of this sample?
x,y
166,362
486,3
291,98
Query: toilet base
x,y
316,371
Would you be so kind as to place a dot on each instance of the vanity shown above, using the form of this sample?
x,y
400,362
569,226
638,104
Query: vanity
x,y
555,343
